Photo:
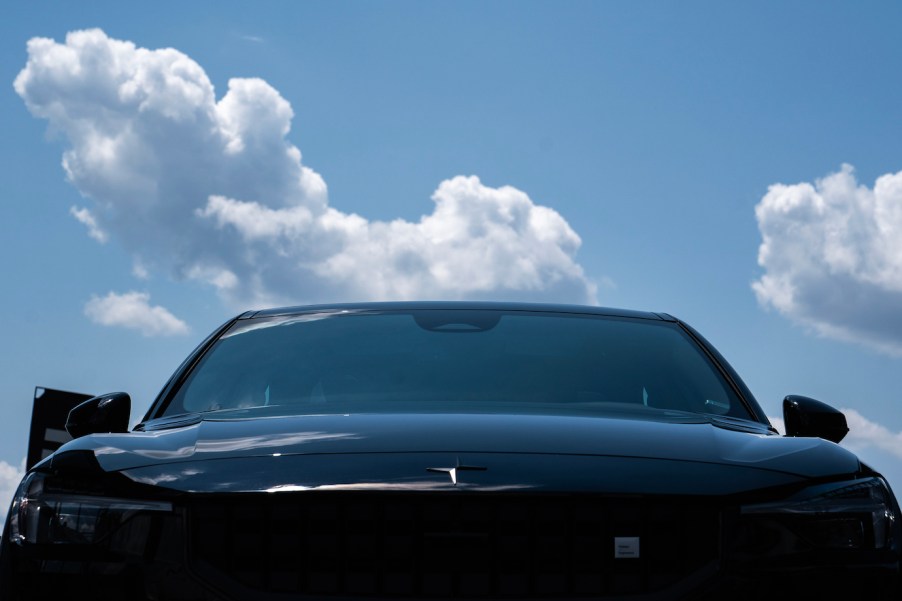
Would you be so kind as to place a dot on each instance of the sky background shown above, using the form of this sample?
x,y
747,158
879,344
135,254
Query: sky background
x,y
736,165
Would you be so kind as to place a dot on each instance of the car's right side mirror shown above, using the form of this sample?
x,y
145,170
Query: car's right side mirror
x,y
808,417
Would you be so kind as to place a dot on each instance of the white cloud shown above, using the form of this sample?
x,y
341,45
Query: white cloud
x,y
139,270
132,310
832,256
864,433
212,191
87,218
10,476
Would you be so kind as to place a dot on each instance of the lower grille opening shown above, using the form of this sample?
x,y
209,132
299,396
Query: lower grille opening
x,y
464,545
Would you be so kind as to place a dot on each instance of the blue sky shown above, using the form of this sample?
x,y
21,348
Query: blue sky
x,y
635,153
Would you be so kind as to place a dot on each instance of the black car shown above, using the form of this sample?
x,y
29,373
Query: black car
x,y
441,450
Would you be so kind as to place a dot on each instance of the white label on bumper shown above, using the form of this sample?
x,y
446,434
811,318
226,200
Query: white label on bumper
x,y
626,547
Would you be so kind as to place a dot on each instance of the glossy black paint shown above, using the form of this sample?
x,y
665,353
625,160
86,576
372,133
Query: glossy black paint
x,y
809,417
100,414
699,480
650,456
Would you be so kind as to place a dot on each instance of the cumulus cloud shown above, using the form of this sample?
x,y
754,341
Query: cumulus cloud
x,y
864,433
10,476
832,256
211,190
132,310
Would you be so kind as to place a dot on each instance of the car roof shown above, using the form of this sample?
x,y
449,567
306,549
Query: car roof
x,y
458,305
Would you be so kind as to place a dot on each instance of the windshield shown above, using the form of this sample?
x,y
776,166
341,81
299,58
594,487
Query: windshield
x,y
455,361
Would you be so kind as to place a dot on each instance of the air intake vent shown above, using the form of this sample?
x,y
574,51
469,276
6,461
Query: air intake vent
x,y
450,546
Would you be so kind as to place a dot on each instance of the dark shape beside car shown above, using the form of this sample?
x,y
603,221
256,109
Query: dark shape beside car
x,y
441,450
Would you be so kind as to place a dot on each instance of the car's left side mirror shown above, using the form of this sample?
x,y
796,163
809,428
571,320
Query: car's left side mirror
x,y
808,417
104,413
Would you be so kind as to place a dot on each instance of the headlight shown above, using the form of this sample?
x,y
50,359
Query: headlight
x,y
845,515
42,516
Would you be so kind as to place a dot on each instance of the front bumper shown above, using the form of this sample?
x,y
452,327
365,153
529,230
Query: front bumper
x,y
340,546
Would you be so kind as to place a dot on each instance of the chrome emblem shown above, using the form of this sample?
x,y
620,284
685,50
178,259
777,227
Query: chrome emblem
x,y
459,467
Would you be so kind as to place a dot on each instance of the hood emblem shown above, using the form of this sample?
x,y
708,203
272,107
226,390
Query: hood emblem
x,y
458,467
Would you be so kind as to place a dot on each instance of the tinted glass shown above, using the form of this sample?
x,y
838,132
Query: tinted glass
x,y
455,361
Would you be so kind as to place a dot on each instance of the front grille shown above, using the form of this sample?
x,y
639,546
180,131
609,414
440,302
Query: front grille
x,y
461,545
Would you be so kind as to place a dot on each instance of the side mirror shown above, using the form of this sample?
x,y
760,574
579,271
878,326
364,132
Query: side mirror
x,y
104,413
807,417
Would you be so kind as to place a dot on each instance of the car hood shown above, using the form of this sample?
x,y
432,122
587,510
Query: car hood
x,y
694,455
